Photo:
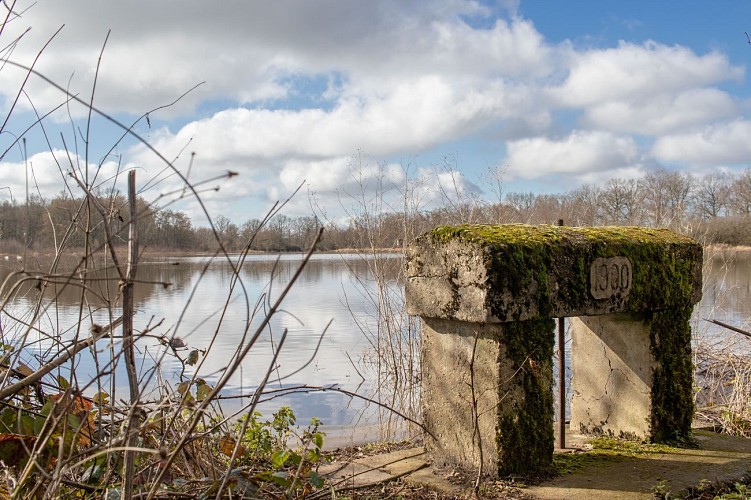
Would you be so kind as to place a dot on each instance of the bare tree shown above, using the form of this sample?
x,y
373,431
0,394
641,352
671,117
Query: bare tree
x,y
619,201
666,195
711,198
582,207
546,209
522,203
740,194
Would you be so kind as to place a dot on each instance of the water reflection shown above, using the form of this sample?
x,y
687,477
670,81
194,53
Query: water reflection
x,y
727,289
200,301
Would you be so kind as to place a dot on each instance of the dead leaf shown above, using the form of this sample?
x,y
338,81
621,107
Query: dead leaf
x,y
13,448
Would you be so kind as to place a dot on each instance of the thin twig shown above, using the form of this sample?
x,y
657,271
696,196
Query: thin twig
x,y
63,358
729,327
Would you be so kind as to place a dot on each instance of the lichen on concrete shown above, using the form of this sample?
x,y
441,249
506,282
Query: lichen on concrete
x,y
672,386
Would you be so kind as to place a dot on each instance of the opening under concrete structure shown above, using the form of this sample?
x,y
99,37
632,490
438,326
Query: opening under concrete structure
x,y
487,296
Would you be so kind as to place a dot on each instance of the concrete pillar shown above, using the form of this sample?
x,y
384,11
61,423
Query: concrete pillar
x,y
487,295
612,365
483,404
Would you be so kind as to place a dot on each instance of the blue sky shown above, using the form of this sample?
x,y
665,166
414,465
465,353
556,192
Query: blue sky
x,y
350,99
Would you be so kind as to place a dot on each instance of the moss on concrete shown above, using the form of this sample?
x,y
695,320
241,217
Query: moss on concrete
x,y
525,429
522,260
606,450
543,234
672,380
664,267
524,275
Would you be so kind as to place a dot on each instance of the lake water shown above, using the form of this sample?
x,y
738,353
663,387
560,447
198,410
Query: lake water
x,y
329,315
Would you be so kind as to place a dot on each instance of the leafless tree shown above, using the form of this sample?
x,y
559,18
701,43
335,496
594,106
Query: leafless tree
x,y
522,203
711,196
619,201
666,195
582,206
740,194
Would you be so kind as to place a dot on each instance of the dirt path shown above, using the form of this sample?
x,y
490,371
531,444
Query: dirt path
x,y
718,458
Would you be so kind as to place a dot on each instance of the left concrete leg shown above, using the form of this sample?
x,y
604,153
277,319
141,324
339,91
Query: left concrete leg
x,y
487,394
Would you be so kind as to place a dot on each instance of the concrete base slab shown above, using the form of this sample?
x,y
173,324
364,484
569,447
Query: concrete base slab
x,y
719,458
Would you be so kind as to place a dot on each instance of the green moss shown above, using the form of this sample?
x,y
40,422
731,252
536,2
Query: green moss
x,y
525,431
522,259
523,234
672,389
606,450
536,272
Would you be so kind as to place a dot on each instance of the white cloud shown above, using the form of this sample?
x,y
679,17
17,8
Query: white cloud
x,y
443,187
666,113
247,51
414,115
294,89
722,144
265,146
580,153
49,173
632,71
347,176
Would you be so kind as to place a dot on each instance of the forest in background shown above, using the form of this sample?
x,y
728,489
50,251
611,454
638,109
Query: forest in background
x,y
715,209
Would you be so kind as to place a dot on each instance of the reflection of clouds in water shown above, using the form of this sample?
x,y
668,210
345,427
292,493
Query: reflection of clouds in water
x,y
327,289
316,299
310,305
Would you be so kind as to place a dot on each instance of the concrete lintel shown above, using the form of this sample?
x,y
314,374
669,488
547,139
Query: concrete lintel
x,y
516,272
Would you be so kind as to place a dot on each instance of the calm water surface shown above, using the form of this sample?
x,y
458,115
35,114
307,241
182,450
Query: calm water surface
x,y
328,314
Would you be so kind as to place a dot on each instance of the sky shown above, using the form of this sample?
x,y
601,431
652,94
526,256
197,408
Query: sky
x,y
355,101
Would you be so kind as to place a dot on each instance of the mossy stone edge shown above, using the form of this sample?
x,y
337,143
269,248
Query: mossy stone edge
x,y
543,271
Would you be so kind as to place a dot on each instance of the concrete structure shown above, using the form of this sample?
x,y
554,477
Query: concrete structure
x,y
487,296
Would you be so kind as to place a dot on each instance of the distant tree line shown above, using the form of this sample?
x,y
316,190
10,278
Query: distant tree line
x,y
715,208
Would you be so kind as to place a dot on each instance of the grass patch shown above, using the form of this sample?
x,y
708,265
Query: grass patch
x,y
606,450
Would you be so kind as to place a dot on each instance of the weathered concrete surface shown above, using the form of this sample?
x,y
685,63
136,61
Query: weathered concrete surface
x,y
476,403
486,390
612,380
374,469
515,272
461,414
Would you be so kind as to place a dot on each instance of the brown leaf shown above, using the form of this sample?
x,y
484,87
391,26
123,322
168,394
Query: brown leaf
x,y
23,369
13,448
227,446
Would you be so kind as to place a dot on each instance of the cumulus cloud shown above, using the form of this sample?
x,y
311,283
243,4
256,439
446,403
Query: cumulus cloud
x,y
294,89
248,51
632,71
413,116
662,114
726,143
444,187
51,172
582,152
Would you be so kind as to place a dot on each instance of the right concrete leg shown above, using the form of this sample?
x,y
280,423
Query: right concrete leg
x,y
612,367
